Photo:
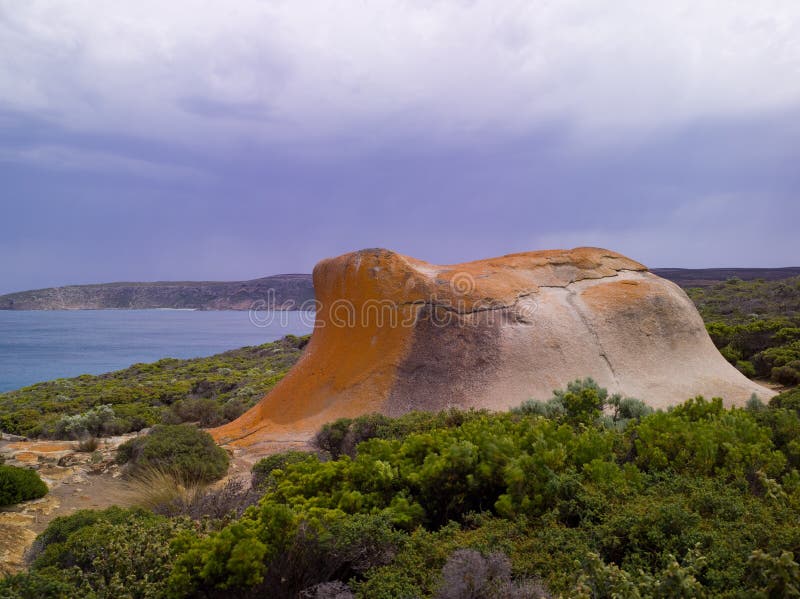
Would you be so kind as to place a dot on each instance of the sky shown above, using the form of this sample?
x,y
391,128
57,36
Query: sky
x,y
201,140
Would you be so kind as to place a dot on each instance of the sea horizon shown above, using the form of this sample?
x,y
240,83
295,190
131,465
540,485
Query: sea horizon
x,y
42,345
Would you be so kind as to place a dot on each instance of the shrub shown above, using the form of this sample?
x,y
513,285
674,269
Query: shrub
x,y
583,400
553,408
343,435
467,574
788,399
262,470
59,530
203,411
746,368
115,553
233,408
698,501
162,491
19,484
328,590
166,494
183,450
276,553
88,445
788,374
97,421
216,502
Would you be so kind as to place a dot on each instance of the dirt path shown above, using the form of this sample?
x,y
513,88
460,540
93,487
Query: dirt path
x,y
81,481
76,481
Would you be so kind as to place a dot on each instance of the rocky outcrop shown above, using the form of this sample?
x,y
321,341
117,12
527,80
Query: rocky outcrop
x,y
276,292
395,334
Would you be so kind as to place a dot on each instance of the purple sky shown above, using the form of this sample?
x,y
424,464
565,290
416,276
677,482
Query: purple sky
x,y
204,140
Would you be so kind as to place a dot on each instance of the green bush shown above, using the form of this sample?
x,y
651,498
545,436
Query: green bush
x,y
343,436
182,449
755,325
19,484
262,470
697,501
788,399
109,553
47,549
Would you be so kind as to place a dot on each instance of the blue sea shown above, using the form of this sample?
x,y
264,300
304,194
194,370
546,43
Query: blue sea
x,y
42,345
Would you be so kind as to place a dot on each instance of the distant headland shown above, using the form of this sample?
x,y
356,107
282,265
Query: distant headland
x,y
276,292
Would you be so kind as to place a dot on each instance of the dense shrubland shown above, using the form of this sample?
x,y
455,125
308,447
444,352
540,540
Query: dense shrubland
x,y
209,391
583,495
756,325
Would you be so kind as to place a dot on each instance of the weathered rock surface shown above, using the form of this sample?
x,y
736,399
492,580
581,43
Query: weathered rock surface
x,y
395,334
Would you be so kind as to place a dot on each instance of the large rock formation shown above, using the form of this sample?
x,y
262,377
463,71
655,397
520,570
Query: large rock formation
x,y
395,334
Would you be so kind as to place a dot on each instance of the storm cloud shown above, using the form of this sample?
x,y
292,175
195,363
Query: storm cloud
x,y
195,140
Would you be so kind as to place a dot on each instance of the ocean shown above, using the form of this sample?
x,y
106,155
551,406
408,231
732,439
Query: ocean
x,y
42,345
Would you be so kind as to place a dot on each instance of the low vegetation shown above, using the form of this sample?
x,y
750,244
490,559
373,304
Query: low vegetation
x,y
756,325
19,484
209,391
582,495
185,451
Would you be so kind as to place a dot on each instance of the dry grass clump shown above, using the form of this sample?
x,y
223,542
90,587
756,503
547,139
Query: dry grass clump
x,y
88,444
168,493
161,490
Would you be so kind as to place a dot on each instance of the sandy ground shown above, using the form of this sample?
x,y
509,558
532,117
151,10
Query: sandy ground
x,y
76,481
80,481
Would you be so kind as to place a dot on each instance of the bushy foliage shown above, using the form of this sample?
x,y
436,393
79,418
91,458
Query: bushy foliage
x,y
468,574
755,325
263,469
697,501
95,422
342,436
182,449
209,390
585,402
697,482
789,400
19,484
105,554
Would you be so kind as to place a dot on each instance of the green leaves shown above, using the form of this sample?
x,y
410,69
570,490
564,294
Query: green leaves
x,y
188,452
696,501
19,484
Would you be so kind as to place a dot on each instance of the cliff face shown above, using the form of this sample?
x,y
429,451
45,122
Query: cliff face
x,y
276,291
394,334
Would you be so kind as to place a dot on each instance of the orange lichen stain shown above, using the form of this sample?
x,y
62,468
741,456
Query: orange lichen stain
x,y
367,305
354,351
41,447
26,457
617,294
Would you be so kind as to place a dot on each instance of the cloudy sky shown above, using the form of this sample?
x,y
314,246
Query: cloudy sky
x,y
156,140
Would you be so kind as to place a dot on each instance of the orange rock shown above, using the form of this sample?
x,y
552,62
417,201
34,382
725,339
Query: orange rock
x,y
393,334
